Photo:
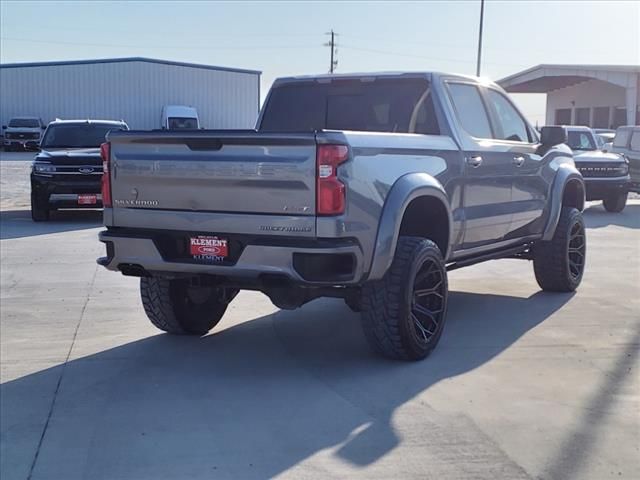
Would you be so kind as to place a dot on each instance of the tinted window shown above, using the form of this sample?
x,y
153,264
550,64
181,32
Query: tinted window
x,y
635,141
511,126
621,138
385,105
580,140
186,123
24,122
77,136
470,110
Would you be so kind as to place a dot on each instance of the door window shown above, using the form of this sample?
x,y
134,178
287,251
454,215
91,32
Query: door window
x,y
511,126
579,140
621,138
470,109
635,141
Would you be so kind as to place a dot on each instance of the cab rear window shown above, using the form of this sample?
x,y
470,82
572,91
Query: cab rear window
x,y
382,105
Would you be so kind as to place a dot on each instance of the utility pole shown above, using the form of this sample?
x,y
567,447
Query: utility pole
x,y
334,50
480,38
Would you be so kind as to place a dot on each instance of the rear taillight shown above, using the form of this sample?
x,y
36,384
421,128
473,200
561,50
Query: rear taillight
x,y
331,194
105,153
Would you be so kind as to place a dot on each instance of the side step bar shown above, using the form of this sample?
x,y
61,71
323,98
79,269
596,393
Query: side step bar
x,y
520,251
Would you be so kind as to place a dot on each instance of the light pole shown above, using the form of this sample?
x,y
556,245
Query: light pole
x,y
480,38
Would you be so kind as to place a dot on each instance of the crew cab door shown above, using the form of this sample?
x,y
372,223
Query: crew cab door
x,y
487,175
515,143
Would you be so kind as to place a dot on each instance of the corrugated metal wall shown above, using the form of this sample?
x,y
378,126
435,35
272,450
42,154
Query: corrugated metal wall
x,y
133,91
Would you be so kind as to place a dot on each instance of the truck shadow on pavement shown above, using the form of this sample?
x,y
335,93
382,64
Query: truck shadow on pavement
x,y
596,216
18,223
255,399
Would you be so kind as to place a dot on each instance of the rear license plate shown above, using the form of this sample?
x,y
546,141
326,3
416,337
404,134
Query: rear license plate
x,y
87,199
208,248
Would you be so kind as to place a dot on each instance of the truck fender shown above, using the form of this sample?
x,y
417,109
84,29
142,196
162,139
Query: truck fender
x,y
403,191
566,174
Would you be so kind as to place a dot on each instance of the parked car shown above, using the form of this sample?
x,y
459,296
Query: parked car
x,y
604,138
627,143
67,172
21,130
179,117
606,174
364,187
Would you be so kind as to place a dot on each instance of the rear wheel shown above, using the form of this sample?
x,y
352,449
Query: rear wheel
x,y
39,209
615,202
175,306
403,314
559,263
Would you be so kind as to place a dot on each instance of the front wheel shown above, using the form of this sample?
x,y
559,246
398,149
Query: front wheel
x,y
615,202
175,306
39,209
403,314
559,263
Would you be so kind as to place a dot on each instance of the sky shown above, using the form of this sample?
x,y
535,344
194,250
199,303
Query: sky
x,y
287,37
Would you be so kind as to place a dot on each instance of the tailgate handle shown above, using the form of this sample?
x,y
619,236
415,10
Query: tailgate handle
x,y
203,144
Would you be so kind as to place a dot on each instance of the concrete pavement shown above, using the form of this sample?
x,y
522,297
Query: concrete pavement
x,y
524,384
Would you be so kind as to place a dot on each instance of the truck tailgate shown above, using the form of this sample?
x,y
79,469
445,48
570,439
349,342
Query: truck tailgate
x,y
217,172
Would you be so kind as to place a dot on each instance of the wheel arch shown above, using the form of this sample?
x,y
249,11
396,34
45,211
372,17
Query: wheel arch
x,y
568,190
403,213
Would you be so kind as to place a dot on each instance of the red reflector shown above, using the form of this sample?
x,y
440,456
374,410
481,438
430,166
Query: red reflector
x,y
331,192
105,153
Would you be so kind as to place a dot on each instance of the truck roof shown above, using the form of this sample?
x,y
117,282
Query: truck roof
x,y
373,75
577,128
179,111
86,120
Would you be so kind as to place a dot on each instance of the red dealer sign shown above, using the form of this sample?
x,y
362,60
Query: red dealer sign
x,y
208,246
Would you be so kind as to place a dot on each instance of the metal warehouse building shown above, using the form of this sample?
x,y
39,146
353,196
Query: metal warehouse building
x,y
132,89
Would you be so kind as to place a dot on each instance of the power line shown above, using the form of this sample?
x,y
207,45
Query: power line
x,y
401,54
178,47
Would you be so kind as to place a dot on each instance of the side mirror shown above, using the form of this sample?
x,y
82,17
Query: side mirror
x,y
550,136
4,127
32,147
607,147
43,127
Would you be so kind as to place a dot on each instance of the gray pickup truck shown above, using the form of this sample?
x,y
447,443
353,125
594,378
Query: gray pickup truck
x,y
363,187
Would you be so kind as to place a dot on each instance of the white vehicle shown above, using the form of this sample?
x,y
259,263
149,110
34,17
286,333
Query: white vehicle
x,y
606,174
179,117
20,131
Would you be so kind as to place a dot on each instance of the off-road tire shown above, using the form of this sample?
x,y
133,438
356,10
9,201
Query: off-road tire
x,y
387,304
39,209
354,302
551,259
615,202
170,306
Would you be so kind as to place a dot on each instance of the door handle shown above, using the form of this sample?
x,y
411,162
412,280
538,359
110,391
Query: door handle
x,y
474,161
518,161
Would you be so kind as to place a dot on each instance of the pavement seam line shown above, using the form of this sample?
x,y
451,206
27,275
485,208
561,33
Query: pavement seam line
x,y
64,366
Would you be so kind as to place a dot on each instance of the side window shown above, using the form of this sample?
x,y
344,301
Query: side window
x,y
620,140
511,126
635,141
423,118
470,109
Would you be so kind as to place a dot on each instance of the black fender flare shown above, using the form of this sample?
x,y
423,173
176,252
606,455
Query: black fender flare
x,y
565,174
403,191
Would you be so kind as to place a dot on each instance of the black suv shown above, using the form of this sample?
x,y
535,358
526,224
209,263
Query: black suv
x,y
67,172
